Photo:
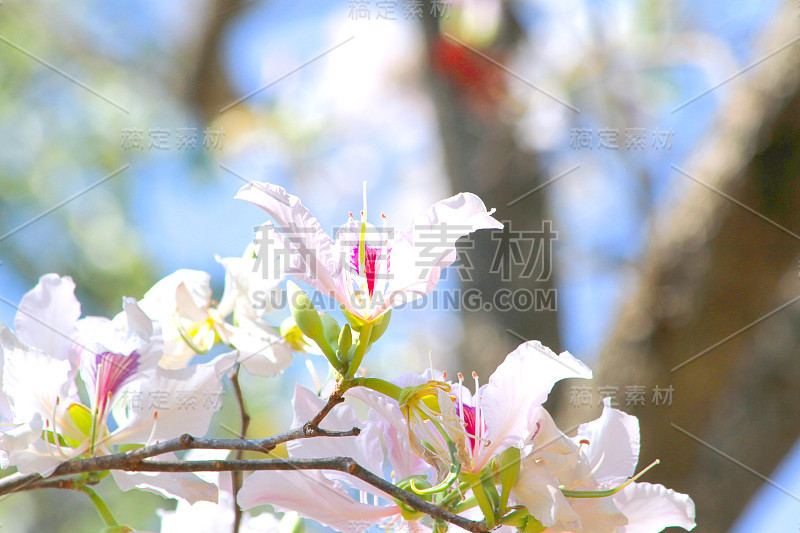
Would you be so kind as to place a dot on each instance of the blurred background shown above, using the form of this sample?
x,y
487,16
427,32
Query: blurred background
x,y
643,156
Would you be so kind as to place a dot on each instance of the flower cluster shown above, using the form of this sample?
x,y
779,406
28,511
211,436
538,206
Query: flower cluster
x,y
420,452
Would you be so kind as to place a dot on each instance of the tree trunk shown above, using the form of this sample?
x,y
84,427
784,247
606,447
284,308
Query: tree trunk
x,y
482,156
707,316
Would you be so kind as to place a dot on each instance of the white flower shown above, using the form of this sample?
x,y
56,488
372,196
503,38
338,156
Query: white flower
x,y
118,361
369,270
181,303
602,457
499,415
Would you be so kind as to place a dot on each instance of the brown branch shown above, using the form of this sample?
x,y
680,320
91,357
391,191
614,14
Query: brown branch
x,y
337,396
119,461
341,464
236,475
141,460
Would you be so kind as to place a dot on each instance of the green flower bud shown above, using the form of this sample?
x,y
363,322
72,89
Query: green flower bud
x,y
304,313
331,328
310,323
532,526
345,340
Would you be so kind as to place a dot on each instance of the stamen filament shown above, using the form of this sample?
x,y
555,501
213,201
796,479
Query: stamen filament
x,y
153,430
55,430
604,493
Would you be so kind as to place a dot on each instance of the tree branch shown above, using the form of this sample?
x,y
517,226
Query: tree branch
x,y
340,464
236,476
125,460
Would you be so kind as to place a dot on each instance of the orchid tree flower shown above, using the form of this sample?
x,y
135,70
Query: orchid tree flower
x,y
587,483
328,497
369,270
193,324
131,400
499,415
147,402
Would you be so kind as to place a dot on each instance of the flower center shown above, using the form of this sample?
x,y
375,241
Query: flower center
x,y
370,265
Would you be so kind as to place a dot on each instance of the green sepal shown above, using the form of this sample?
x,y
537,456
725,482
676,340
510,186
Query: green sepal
x,y
507,466
486,494
379,326
355,322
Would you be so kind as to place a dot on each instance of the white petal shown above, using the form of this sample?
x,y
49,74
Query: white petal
x,y
538,491
160,301
313,257
651,508
421,251
185,399
311,495
598,515
184,295
32,379
47,315
614,437
262,351
26,450
252,282
184,485
518,386
385,415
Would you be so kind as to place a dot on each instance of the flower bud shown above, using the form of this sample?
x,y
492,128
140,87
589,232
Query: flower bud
x,y
304,313
331,328
345,340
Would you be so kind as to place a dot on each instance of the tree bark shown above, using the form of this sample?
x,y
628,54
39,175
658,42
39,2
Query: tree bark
x,y
706,318
483,156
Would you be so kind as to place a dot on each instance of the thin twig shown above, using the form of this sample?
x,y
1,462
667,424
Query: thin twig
x,y
337,396
236,475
